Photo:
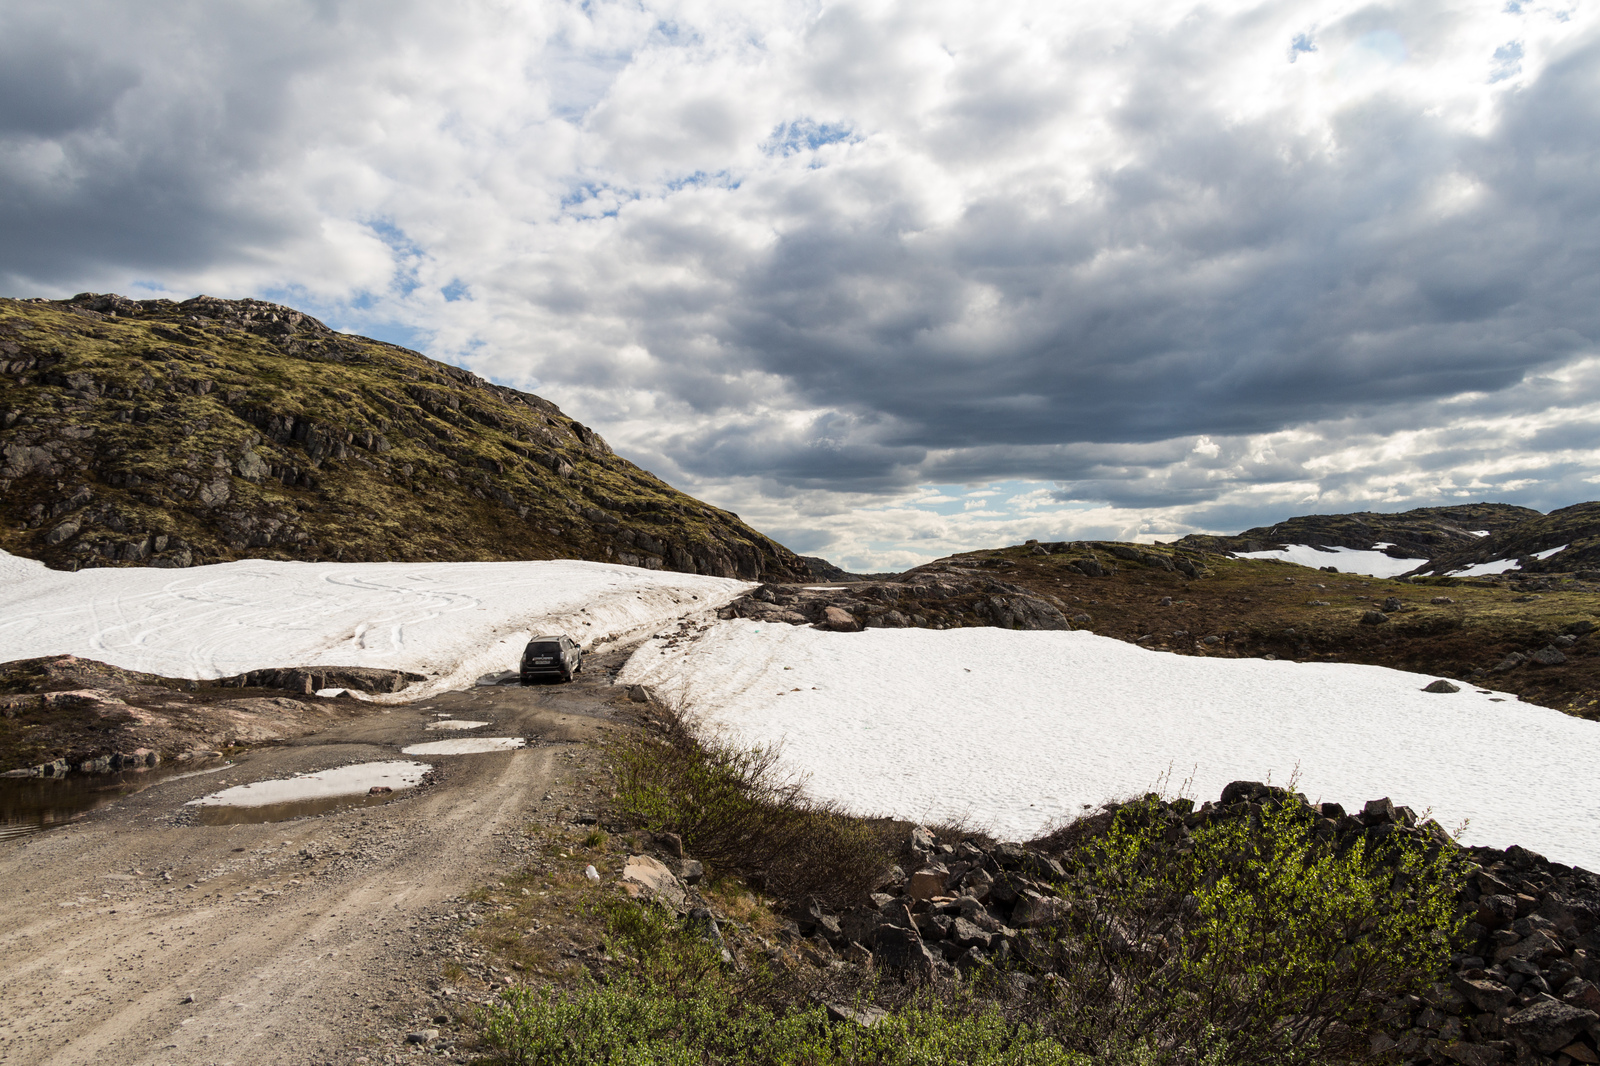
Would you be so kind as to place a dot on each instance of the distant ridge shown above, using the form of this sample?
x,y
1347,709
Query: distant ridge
x,y
1417,534
157,433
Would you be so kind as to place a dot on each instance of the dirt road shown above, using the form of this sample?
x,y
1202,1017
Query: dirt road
x,y
140,936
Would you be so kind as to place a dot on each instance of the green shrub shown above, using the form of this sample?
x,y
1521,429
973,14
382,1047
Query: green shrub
x,y
677,1005
1255,939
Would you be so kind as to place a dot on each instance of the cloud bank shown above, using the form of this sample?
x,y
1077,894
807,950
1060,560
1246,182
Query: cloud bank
x,y
840,266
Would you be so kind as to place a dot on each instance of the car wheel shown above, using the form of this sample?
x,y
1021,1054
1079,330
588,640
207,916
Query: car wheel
x,y
566,675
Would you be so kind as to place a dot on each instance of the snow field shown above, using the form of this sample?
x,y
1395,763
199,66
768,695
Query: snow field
x,y
451,621
1019,730
1348,560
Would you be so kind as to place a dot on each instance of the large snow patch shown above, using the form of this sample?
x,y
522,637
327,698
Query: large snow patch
x,y
454,622
1017,729
1349,560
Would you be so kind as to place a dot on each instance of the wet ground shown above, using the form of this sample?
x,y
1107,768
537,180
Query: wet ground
x,y
147,930
36,804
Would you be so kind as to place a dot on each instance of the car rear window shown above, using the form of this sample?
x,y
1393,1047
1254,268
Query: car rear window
x,y
547,647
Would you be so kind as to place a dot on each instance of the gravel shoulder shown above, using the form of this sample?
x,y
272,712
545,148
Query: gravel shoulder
x,y
138,935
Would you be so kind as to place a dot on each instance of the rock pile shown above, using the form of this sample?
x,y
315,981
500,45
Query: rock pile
x,y
1520,989
946,601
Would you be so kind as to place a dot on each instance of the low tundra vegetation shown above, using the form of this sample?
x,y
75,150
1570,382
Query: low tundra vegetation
x,y
1185,937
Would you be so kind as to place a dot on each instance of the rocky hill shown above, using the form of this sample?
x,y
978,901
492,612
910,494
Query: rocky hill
x,y
1569,540
155,433
1422,533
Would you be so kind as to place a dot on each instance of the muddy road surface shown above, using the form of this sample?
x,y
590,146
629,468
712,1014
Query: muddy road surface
x,y
141,934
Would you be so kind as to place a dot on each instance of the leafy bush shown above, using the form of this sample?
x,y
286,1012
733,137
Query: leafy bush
x,y
676,1005
739,814
1256,938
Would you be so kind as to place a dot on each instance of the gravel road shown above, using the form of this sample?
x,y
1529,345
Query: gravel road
x,y
140,936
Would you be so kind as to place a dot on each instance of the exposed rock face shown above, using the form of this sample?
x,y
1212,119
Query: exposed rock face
x,y
63,713
154,433
949,598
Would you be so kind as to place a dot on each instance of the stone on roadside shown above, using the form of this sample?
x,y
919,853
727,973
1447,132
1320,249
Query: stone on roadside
x,y
645,876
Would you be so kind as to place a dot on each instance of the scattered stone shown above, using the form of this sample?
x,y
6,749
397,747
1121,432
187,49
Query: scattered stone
x,y
1442,686
1551,1025
647,877
839,620
1373,618
423,1036
866,1016
1549,655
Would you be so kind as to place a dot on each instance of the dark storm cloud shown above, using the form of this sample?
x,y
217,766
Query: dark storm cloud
x,y
1252,291
117,159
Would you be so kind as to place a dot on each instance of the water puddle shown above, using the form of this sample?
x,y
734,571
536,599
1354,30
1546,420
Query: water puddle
x,y
288,812
464,746
34,804
305,795
454,723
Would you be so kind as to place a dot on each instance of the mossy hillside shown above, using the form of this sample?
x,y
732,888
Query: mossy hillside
x,y
1255,608
175,434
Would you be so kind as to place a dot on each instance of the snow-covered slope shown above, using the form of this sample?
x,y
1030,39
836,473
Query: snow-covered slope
x,y
1016,729
452,621
1348,560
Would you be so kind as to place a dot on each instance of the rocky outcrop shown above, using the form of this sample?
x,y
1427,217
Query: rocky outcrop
x,y
1568,539
1422,533
154,433
949,599
63,714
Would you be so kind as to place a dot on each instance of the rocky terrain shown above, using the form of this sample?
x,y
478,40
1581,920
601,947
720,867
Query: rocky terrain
x,y
1575,530
64,713
157,433
1520,989
1417,534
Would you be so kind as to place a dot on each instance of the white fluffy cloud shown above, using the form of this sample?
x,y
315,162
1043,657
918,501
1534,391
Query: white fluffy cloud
x,y
1141,270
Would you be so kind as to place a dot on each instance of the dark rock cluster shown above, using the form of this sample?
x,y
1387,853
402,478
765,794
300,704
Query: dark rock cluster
x,y
947,600
1521,988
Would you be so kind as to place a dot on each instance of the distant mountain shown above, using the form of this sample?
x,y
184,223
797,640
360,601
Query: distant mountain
x,y
1569,540
1423,533
157,433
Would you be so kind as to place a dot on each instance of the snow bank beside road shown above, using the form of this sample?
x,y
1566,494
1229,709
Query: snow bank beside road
x,y
1015,729
454,622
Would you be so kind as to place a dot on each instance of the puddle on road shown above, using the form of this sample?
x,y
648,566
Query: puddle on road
x,y
464,746
305,795
286,812
453,723
34,804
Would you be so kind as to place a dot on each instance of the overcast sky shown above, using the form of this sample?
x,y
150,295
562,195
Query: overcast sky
x,y
889,279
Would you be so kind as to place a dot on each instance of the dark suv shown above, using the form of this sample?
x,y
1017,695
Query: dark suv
x,y
551,656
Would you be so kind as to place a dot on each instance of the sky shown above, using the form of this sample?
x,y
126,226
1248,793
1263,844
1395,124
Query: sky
x,y
889,279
